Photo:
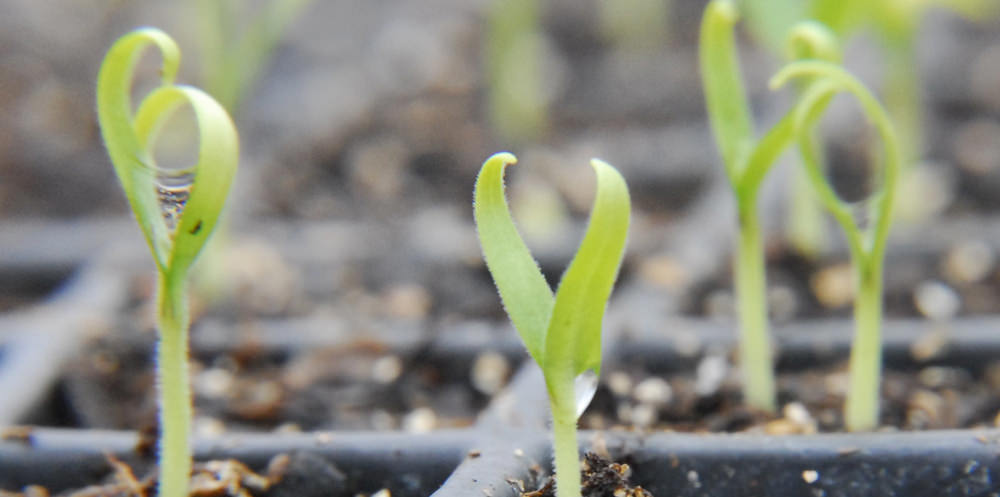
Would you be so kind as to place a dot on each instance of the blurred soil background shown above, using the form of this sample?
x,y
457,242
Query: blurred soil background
x,y
362,137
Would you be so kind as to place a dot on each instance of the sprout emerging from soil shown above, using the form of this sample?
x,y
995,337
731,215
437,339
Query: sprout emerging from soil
x,y
747,161
562,333
866,242
177,210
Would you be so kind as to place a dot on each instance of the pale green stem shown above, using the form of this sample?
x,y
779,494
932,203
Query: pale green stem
x,y
174,390
567,452
805,217
751,295
862,404
902,96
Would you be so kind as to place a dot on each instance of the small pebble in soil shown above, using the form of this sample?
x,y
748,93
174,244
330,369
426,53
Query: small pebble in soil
x,y
206,426
936,300
925,410
810,476
654,391
213,383
619,383
833,286
407,301
664,271
795,420
969,261
977,147
387,369
925,191
711,371
930,344
420,420
644,416
489,372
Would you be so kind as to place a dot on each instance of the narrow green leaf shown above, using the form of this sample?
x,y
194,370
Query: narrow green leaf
x,y
729,113
573,342
526,295
114,112
218,153
840,80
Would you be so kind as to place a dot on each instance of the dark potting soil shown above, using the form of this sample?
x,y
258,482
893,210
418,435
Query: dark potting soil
x,y
811,401
298,474
961,278
361,385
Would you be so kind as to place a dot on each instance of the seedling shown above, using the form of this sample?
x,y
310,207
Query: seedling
x,y
747,161
866,243
515,69
562,333
176,210
233,56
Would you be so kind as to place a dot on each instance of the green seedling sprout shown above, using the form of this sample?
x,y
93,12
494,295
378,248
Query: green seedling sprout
x,y
747,161
805,227
866,244
515,69
232,55
562,333
176,210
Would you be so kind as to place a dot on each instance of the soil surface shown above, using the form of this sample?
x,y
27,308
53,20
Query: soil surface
x,y
710,400
298,474
361,385
939,281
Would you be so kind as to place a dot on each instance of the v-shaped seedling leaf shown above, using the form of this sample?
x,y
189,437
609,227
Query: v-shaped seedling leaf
x,y
562,332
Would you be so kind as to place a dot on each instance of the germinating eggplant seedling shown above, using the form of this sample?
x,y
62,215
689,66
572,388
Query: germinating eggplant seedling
x,y
562,333
747,161
176,210
866,242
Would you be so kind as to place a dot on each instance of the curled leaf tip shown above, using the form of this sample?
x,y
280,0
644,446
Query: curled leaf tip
x,y
779,80
506,158
596,163
813,40
725,9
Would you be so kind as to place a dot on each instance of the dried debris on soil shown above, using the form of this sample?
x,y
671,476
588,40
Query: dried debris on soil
x,y
600,478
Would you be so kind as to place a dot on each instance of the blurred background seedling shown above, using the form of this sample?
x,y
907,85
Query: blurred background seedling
x,y
866,233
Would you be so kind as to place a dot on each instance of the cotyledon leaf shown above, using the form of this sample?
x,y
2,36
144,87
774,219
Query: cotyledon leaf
x,y
218,152
131,138
526,295
573,341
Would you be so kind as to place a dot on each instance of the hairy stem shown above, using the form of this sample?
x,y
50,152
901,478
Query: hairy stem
x,y
751,295
862,405
567,456
174,390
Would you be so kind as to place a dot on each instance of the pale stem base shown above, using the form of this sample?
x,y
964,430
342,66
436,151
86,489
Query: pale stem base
x,y
861,409
174,389
565,448
751,296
